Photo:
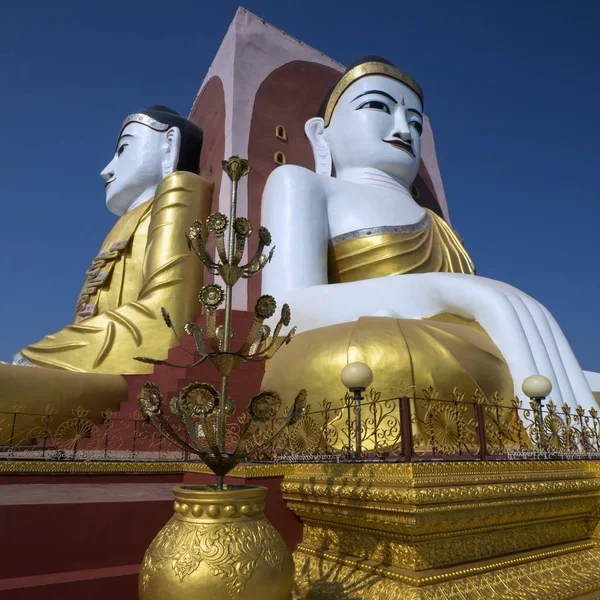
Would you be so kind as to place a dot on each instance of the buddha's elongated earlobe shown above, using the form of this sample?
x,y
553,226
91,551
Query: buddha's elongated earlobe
x,y
315,132
171,156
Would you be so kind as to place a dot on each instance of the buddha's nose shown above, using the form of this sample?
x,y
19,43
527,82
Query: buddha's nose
x,y
108,172
401,128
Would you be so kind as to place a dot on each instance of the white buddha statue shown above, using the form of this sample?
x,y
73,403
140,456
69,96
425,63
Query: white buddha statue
x,y
352,244
144,264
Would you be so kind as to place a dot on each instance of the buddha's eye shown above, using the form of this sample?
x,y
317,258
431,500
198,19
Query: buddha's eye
x,y
120,150
375,105
417,126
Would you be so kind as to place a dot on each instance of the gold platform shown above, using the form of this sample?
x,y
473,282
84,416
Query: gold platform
x,y
477,530
503,530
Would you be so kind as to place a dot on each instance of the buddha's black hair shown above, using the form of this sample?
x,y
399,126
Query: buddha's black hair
x,y
191,135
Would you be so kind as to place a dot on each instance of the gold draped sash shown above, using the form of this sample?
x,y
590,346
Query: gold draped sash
x,y
429,246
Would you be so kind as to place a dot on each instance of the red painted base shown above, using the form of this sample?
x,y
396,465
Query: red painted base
x,y
116,583
83,539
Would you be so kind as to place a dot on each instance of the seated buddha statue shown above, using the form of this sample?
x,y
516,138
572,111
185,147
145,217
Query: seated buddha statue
x,y
372,276
144,263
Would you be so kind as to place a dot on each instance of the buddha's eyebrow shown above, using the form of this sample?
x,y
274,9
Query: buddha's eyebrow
x,y
120,138
415,111
379,92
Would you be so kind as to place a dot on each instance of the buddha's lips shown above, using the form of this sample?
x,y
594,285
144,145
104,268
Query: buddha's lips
x,y
108,183
402,145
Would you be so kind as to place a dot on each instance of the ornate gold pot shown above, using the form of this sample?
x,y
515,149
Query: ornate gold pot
x,y
217,545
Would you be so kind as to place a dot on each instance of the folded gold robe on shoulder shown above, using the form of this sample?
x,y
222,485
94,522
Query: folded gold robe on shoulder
x,y
144,264
429,246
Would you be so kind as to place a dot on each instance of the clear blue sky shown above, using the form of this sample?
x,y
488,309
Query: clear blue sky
x,y
512,90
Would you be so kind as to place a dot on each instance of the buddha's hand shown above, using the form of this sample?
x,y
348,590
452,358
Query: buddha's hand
x,y
523,330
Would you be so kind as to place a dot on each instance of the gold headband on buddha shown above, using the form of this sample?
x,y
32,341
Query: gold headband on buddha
x,y
370,68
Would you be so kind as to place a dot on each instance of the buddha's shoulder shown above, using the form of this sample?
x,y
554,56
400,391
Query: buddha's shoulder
x,y
184,180
302,178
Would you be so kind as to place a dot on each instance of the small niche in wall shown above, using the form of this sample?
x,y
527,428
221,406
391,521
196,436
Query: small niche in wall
x,y
279,158
281,133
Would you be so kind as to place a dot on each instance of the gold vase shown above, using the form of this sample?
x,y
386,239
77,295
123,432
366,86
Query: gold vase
x,y
217,545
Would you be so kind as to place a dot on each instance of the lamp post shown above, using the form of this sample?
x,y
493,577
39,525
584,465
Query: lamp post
x,y
537,388
357,377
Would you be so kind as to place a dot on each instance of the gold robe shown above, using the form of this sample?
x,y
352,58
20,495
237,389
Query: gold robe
x,y
144,264
429,246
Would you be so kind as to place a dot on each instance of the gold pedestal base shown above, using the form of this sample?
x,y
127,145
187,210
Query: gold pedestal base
x,y
510,530
572,571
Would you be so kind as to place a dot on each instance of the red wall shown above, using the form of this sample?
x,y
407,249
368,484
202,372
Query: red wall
x,y
208,113
289,96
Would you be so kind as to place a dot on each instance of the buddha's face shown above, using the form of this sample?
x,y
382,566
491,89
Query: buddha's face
x,y
136,167
377,123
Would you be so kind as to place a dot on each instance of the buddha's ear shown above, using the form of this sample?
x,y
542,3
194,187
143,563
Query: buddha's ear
x,y
315,132
172,147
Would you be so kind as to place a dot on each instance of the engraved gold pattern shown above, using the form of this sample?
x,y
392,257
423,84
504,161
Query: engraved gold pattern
x,y
217,545
558,575
231,551
446,530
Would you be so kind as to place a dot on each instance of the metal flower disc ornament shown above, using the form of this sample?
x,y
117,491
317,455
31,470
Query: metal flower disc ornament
x,y
286,315
264,406
264,235
217,222
150,400
195,230
211,296
265,307
242,227
198,399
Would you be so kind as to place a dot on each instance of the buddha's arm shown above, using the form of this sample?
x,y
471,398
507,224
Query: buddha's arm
x,y
108,342
294,210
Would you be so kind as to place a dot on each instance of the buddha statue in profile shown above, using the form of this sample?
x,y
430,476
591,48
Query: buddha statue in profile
x,y
372,276
144,264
